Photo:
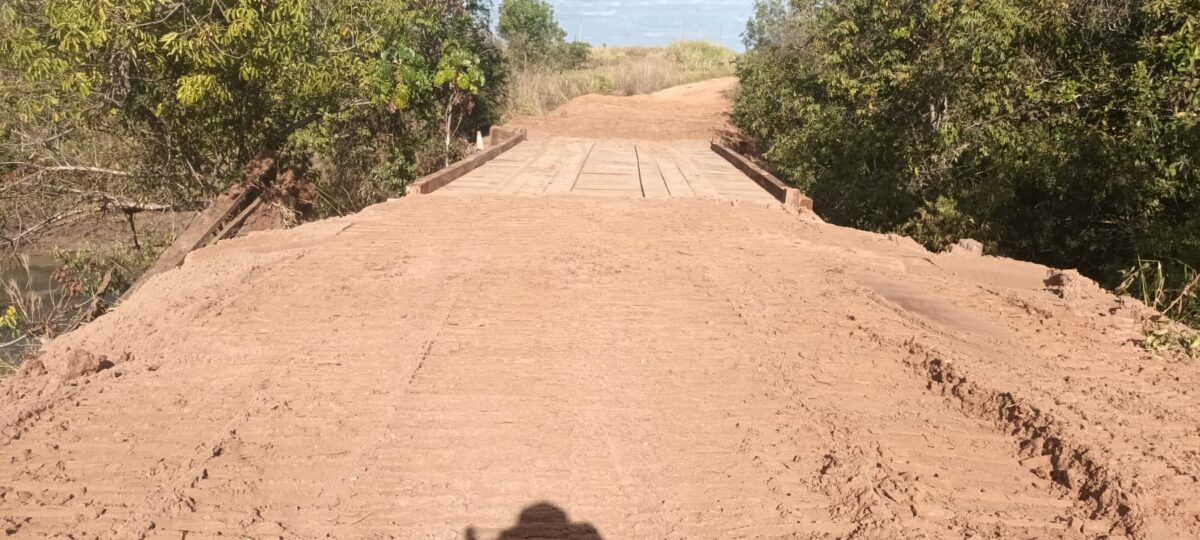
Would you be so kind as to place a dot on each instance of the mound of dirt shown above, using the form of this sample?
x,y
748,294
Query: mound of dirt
x,y
678,368
1072,285
697,111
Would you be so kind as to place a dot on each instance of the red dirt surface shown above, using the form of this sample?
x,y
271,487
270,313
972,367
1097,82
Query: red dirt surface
x,y
473,366
696,111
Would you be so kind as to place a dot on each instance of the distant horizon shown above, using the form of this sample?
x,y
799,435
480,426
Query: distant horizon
x,y
620,23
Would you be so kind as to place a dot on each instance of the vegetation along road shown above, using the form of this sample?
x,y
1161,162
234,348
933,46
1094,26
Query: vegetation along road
x,y
613,329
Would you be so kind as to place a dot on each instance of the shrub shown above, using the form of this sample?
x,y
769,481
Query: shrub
x,y
1065,133
535,38
574,55
193,90
532,33
83,269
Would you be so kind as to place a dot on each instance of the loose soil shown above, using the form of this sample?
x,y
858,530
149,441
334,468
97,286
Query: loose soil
x,y
697,111
487,366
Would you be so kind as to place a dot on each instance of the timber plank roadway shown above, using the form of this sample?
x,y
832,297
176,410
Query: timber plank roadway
x,y
674,169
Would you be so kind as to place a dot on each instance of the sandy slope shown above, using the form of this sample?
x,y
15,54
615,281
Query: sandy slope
x,y
574,367
692,111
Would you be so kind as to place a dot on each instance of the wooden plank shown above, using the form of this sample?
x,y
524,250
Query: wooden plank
x,y
569,157
440,179
677,185
533,170
695,178
634,193
204,226
653,184
625,182
499,172
497,135
236,223
617,160
565,179
729,182
789,196
198,233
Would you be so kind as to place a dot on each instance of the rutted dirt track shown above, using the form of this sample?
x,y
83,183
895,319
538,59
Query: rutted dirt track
x,y
660,369
478,366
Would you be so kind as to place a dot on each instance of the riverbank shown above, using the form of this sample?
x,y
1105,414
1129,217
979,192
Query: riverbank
x,y
47,282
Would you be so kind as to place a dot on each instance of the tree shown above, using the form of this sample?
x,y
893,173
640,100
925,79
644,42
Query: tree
x,y
192,89
532,32
1066,133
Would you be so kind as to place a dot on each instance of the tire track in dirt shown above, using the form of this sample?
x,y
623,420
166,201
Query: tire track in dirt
x,y
1102,473
875,476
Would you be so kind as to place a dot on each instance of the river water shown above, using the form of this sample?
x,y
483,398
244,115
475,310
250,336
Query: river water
x,y
658,22
36,279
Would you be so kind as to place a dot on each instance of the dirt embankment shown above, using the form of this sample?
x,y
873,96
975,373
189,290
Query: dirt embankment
x,y
693,111
469,366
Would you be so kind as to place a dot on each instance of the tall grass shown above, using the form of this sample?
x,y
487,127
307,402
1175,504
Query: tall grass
x,y
1172,288
621,71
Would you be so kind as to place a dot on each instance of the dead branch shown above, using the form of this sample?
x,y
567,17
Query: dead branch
x,y
41,169
69,168
15,341
109,201
96,304
47,223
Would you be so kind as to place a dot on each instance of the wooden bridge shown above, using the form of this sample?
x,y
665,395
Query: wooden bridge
x,y
610,168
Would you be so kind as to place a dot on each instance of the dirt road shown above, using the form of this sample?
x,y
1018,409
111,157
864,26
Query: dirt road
x,y
694,111
484,366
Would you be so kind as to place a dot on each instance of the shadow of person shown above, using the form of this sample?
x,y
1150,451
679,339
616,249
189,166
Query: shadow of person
x,y
544,521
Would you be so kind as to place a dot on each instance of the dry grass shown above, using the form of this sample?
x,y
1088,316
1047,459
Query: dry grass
x,y
622,71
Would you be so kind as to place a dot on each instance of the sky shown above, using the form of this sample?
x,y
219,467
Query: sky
x,y
653,22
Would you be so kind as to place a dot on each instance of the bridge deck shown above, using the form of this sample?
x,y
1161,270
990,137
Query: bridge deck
x,y
612,168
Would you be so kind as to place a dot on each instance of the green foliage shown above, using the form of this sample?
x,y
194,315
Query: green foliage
x,y
10,320
1170,287
83,269
574,55
7,367
700,55
1162,335
1060,132
355,87
532,32
535,38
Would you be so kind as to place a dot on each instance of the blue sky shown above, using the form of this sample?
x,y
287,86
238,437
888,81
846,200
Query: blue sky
x,y
653,22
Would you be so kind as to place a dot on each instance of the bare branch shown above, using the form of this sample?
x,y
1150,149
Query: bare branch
x,y
69,168
110,201
47,223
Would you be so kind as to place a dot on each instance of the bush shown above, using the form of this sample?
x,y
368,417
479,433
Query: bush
x,y
573,55
83,269
532,33
191,90
535,39
1065,133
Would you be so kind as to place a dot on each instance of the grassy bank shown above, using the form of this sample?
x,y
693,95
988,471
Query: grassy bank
x,y
621,71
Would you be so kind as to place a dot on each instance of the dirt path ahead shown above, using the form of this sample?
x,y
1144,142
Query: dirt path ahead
x,y
468,366
696,111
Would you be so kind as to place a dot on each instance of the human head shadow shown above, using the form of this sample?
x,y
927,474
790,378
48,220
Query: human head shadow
x,y
544,521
